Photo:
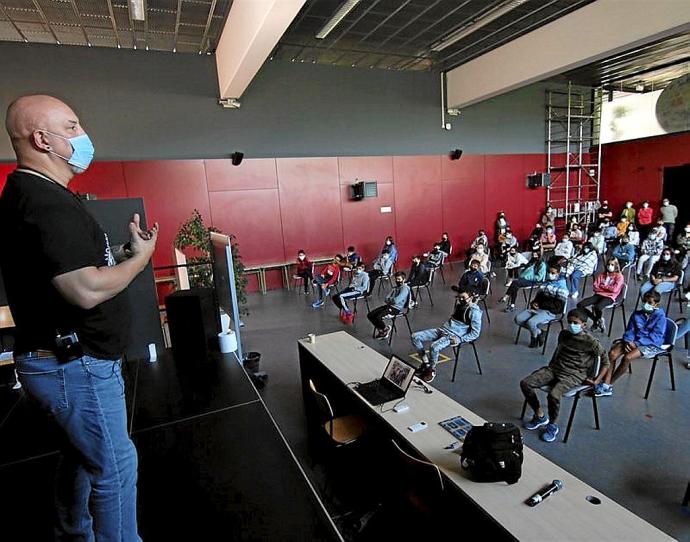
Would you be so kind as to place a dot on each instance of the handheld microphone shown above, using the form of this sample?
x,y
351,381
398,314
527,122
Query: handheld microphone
x,y
547,491
422,385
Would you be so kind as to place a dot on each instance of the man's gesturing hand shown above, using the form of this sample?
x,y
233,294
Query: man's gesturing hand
x,y
142,242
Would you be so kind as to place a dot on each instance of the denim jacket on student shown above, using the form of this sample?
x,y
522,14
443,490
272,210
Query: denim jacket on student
x,y
398,296
360,282
466,332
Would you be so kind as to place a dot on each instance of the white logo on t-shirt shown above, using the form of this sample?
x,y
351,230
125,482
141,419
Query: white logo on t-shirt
x,y
108,256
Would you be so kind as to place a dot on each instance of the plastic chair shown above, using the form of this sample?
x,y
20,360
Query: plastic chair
x,y
456,351
394,317
366,298
577,392
669,341
486,290
677,289
559,319
415,289
620,302
421,482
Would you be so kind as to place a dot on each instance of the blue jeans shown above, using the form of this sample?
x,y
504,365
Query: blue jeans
x,y
575,278
439,341
662,287
95,484
683,329
532,318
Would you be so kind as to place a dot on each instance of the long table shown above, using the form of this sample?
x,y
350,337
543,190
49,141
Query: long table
x,y
260,271
568,515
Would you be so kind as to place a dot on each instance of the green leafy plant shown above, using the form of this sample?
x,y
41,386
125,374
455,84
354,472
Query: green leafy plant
x,y
195,236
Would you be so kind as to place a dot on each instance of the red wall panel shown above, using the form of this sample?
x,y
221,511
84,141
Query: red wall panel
x,y
418,212
463,212
250,174
171,189
365,168
310,205
5,169
533,199
504,185
105,179
470,167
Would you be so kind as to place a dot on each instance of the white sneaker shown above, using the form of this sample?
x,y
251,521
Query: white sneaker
x,y
574,296
18,385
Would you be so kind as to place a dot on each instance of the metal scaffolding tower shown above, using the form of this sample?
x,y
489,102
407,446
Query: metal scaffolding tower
x,y
573,118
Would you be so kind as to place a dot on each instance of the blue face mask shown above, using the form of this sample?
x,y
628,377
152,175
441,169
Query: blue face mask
x,y
648,307
575,328
82,152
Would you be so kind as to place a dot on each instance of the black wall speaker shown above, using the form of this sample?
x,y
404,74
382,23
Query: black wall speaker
x,y
357,190
456,154
237,158
193,324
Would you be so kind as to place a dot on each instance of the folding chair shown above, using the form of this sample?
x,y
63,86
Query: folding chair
x,y
548,328
669,341
298,280
394,317
486,289
620,302
577,392
415,289
456,351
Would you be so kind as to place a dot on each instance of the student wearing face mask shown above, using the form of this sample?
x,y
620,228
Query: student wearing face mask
x,y
358,288
395,302
471,280
383,265
352,258
633,235
514,264
669,214
610,232
533,274
482,256
507,242
642,339
501,224
327,278
598,242
622,226
607,287
434,259
650,252
660,230
628,212
417,277
577,235
683,244
464,325
390,246
604,213
581,266
575,356
644,219
444,245
665,274
304,269
548,240
565,248
624,251
545,307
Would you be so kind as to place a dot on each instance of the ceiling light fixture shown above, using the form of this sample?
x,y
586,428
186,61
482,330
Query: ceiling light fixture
x,y
342,12
477,23
136,10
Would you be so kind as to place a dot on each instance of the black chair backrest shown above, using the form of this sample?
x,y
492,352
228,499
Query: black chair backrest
x,y
421,477
324,406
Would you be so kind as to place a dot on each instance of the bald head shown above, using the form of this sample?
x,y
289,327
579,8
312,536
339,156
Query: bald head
x,y
37,112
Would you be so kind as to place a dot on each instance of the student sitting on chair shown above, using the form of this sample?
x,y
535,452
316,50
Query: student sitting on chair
x,y
390,246
435,257
394,304
665,274
418,276
650,252
622,227
444,244
572,361
463,326
471,280
327,278
304,270
507,242
514,264
581,266
610,232
642,339
624,251
607,287
481,239
577,235
482,256
357,288
548,239
546,306
351,259
533,274
633,235
382,266
598,242
565,248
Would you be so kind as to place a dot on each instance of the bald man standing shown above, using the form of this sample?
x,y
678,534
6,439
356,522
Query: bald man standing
x,y
64,285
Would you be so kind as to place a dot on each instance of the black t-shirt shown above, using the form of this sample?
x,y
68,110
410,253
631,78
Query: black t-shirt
x,y
667,269
46,231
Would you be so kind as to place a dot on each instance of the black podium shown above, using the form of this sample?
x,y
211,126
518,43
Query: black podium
x,y
193,323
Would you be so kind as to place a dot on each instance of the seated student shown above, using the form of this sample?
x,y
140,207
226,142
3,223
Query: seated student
x,y
444,245
357,288
604,212
465,325
394,303
624,251
549,216
642,339
610,232
481,239
514,264
622,226
304,269
482,256
598,241
434,259
575,356
546,306
683,244
507,242
581,266
533,274
607,287
660,231
418,276
633,235
389,245
500,225
471,280
577,235
382,266
351,259
650,252
548,240
328,277
533,244
565,248
538,230
665,274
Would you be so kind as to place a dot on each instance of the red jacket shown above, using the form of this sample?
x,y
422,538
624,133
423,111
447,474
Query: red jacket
x,y
644,216
332,270
303,265
609,285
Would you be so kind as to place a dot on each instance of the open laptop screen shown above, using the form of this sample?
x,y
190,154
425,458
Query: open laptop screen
x,y
399,373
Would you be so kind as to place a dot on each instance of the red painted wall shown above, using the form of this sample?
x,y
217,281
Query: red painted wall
x,y
277,206
634,170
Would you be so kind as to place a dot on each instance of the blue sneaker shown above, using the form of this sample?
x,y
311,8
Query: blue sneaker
x,y
326,292
549,434
536,422
317,304
603,390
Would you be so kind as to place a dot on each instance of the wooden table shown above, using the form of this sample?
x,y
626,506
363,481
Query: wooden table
x,y
568,515
260,271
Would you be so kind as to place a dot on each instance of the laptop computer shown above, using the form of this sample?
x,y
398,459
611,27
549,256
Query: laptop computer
x,y
393,385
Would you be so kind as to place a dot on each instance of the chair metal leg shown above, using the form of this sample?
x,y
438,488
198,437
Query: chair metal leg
x,y
596,411
428,291
524,409
456,351
613,313
394,330
651,376
686,499
476,357
517,337
668,303
670,368
576,400
625,318
486,311
443,277
407,321
546,338
679,289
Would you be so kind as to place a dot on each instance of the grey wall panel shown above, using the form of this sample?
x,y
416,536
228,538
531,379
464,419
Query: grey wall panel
x,y
148,105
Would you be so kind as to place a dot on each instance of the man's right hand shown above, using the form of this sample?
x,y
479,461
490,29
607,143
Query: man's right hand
x,y
143,243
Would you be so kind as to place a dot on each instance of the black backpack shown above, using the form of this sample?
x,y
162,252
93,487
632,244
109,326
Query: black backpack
x,y
493,453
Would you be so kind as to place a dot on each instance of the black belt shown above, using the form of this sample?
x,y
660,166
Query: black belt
x,y
37,354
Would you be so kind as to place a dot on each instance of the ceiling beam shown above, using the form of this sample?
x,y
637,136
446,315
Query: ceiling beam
x,y
203,46
7,16
593,32
251,31
114,23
